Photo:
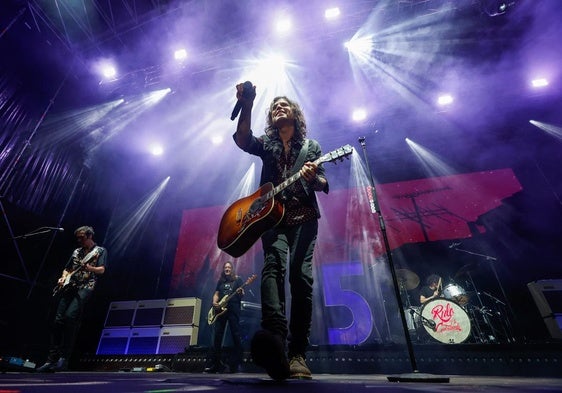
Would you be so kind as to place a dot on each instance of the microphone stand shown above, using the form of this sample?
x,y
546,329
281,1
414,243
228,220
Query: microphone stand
x,y
415,376
16,246
35,232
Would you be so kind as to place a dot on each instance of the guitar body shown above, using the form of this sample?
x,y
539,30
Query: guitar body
x,y
247,219
60,288
214,313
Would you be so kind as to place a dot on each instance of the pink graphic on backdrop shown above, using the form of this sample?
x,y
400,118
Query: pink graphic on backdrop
x,y
415,211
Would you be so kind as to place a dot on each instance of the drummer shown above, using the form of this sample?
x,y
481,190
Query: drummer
x,y
432,289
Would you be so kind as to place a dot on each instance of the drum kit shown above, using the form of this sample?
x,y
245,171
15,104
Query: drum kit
x,y
457,315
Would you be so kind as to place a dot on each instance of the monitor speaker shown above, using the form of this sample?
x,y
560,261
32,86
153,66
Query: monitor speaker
x,y
547,295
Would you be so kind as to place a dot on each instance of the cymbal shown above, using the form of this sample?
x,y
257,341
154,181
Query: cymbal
x,y
470,267
409,279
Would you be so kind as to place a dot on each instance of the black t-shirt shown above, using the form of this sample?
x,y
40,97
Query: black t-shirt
x,y
426,292
226,288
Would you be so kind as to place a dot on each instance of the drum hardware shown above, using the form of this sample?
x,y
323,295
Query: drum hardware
x,y
428,323
417,316
484,331
506,321
495,299
469,268
407,279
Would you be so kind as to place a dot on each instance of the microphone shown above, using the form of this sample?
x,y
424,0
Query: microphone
x,y
247,90
453,245
56,229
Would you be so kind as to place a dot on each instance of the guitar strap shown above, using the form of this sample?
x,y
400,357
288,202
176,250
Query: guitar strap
x,y
89,255
300,162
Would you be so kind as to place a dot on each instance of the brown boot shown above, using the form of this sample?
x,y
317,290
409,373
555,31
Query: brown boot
x,y
298,368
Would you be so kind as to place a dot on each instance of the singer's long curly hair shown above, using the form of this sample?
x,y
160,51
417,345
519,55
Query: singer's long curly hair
x,y
300,122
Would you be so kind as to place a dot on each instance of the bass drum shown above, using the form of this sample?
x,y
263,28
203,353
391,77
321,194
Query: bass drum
x,y
445,321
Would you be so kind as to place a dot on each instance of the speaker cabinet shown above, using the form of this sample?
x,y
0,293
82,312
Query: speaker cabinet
x,y
182,311
149,313
177,339
113,342
144,341
120,314
547,295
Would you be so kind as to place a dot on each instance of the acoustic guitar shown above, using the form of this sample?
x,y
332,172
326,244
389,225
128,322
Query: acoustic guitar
x,y
248,218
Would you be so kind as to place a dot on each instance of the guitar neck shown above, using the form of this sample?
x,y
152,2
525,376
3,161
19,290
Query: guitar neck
x,y
234,293
276,190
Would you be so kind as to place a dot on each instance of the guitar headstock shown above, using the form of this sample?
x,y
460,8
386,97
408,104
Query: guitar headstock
x,y
338,154
251,279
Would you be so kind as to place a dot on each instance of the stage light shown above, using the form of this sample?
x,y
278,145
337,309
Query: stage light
x,y
495,7
359,114
283,25
217,139
157,95
360,47
272,65
332,13
445,99
180,54
539,82
109,71
156,150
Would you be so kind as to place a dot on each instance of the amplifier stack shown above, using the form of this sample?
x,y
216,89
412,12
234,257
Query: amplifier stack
x,y
156,326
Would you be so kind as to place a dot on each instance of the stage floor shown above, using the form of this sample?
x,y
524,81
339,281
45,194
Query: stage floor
x,y
130,382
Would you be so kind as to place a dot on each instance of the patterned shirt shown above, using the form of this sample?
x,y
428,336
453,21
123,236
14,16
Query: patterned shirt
x,y
81,279
294,197
300,205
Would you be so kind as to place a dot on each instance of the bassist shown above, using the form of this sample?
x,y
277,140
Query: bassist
x,y
227,284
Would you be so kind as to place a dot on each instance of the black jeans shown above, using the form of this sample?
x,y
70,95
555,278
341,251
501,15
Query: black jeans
x,y
297,242
67,322
232,316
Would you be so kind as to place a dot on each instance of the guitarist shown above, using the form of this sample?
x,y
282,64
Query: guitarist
x,y
280,150
85,265
227,284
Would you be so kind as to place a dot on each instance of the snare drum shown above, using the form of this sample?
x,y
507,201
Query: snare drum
x,y
457,293
445,321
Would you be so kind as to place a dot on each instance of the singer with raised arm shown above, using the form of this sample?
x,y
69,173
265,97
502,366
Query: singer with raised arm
x,y
432,289
285,150
73,290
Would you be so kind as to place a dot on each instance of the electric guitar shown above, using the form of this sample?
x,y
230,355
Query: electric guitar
x,y
248,218
68,279
216,312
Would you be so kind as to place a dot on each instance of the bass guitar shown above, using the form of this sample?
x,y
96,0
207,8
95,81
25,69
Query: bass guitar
x,y
248,218
216,312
